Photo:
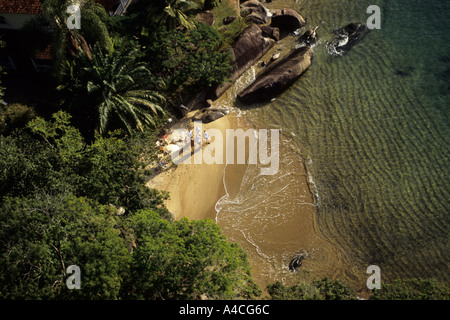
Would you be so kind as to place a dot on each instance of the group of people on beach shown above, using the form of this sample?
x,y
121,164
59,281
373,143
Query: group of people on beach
x,y
173,142
195,139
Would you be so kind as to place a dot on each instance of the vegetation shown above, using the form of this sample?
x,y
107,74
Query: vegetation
x,y
413,289
188,60
51,27
72,183
61,206
167,13
186,260
323,289
112,89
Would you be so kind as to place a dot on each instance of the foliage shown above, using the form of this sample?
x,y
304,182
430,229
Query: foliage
x,y
113,90
185,260
209,4
166,13
323,289
94,26
13,116
40,237
51,157
140,257
188,58
54,17
413,289
59,208
230,32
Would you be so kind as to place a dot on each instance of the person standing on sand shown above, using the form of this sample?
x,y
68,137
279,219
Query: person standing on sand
x,y
198,140
206,137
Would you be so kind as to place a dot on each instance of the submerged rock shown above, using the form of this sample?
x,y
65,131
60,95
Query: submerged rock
x,y
277,79
295,263
309,37
346,38
209,115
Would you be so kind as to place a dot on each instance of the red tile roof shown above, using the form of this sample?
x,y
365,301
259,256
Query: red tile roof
x,y
45,54
34,6
20,6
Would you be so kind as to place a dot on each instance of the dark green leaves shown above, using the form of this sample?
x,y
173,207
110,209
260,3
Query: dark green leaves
x,y
185,260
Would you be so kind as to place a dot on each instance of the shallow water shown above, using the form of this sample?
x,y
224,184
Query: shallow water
x,y
373,129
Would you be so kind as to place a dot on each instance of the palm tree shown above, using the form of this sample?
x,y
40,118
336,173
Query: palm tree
x,y
169,13
65,43
116,88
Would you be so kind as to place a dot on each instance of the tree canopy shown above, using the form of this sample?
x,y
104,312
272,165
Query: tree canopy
x,y
113,91
67,202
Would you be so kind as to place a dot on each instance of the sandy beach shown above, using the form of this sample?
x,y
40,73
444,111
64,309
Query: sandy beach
x,y
195,188
271,217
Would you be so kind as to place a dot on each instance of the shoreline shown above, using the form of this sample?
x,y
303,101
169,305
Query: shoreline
x,y
213,191
196,190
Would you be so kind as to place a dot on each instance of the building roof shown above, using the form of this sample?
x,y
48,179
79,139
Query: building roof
x,y
20,6
45,54
34,6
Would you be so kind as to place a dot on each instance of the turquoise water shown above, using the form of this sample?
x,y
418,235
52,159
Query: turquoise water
x,y
373,126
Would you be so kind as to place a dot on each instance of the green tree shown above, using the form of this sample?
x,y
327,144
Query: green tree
x,y
51,28
186,260
323,289
41,236
413,289
188,60
167,13
51,157
113,90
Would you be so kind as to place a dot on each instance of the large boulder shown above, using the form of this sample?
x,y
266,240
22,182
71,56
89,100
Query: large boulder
x,y
269,32
287,20
228,20
255,11
209,115
277,79
250,46
346,37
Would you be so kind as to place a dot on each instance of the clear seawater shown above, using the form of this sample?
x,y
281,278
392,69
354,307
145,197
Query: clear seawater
x,y
374,128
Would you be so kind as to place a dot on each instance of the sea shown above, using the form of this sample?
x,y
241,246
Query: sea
x,y
364,173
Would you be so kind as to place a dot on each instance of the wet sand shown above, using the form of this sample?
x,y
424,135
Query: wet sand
x,y
195,188
272,217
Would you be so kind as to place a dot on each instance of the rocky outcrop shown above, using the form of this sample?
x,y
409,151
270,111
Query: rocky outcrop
x,y
309,37
287,20
255,11
346,37
269,32
209,115
295,263
279,77
228,20
250,46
